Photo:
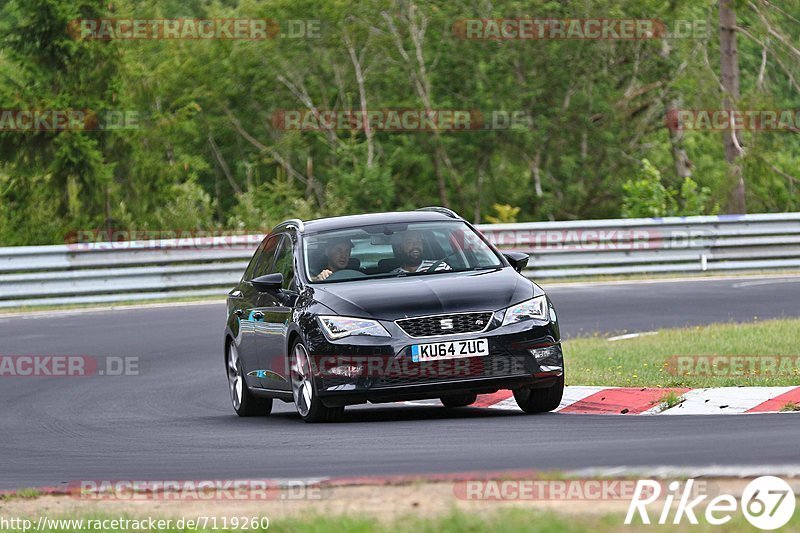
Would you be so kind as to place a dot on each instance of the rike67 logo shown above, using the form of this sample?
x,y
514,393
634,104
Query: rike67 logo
x,y
767,502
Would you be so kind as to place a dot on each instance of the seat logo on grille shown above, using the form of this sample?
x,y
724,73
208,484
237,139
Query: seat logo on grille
x,y
446,323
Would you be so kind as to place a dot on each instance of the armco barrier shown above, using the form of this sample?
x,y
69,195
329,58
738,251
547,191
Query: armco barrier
x,y
129,271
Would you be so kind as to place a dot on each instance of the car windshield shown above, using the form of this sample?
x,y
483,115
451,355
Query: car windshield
x,y
396,250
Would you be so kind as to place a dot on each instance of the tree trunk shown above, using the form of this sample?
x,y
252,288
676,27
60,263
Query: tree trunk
x,y
729,70
362,93
441,182
310,175
683,165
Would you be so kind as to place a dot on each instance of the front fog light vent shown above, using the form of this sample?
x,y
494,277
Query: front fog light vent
x,y
347,371
542,354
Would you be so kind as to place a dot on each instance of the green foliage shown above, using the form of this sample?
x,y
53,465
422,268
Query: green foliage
x,y
25,211
669,400
648,360
355,187
504,213
206,153
189,207
263,207
646,196
693,200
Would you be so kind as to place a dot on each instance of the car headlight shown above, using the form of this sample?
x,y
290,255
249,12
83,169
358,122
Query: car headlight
x,y
535,308
337,327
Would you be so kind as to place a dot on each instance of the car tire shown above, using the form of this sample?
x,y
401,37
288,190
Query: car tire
x,y
308,405
458,400
540,400
244,402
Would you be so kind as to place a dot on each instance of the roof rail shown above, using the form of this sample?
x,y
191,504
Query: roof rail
x,y
292,222
443,210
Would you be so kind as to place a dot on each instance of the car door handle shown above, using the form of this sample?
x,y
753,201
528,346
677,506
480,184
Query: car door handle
x,y
258,315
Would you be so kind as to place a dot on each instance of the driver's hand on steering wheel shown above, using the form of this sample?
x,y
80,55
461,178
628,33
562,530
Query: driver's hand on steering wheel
x,y
323,275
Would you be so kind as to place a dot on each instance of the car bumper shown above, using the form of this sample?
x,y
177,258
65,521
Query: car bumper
x,y
380,369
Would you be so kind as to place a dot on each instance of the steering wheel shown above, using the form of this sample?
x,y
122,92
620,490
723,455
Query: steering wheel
x,y
346,273
435,265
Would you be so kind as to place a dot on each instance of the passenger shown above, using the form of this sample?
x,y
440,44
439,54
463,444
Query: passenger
x,y
411,255
338,256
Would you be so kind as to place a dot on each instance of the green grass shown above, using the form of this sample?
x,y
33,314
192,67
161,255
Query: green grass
x,y
456,522
106,305
669,400
506,520
657,276
790,407
643,361
24,494
543,282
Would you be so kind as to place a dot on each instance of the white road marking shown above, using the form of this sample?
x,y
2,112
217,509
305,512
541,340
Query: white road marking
x,y
666,471
764,282
589,284
104,309
576,394
631,335
709,401
725,400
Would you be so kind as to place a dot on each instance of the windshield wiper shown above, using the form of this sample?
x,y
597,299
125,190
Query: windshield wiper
x,y
388,275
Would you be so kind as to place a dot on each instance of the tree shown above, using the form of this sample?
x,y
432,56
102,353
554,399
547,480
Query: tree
x,y
729,70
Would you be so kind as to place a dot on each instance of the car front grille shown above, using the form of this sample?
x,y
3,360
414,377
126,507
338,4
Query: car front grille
x,y
430,372
452,324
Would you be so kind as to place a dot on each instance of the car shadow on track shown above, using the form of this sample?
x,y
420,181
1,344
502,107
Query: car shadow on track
x,y
382,413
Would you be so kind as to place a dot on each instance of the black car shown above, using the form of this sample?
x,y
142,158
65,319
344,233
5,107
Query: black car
x,y
388,307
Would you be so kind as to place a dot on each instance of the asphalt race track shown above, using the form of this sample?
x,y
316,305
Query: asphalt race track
x,y
174,420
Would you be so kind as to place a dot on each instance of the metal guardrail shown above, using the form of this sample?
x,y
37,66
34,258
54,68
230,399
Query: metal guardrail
x,y
138,270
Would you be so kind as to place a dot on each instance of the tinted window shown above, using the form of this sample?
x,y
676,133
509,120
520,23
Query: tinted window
x,y
393,250
262,260
284,261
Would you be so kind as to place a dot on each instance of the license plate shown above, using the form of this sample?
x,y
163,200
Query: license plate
x,y
449,350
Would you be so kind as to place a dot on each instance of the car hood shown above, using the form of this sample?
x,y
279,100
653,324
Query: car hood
x,y
457,292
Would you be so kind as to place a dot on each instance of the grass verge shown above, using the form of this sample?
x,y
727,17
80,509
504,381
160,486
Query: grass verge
x,y
655,276
507,520
24,494
790,407
669,400
544,282
650,361
107,305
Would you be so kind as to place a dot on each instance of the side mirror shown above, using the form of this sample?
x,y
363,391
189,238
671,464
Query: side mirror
x,y
518,260
268,282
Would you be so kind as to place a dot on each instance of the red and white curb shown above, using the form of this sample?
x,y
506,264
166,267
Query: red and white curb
x,y
648,401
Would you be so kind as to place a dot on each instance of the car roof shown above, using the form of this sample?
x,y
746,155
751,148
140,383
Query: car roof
x,y
354,221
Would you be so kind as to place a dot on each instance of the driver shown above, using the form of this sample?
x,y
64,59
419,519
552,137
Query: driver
x,y
411,255
338,255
